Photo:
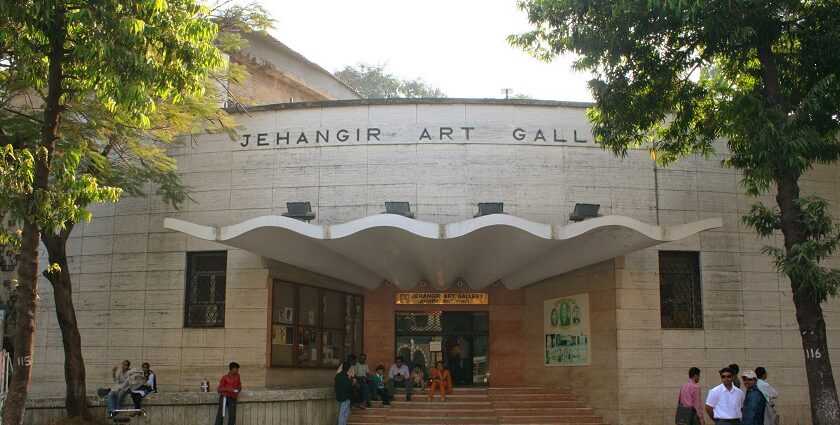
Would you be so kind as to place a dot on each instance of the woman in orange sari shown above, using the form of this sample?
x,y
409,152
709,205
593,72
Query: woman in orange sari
x,y
441,381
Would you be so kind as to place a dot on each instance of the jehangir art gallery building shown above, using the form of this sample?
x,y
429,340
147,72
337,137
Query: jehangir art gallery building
x,y
492,230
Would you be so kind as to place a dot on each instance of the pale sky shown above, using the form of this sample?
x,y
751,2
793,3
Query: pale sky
x,y
457,45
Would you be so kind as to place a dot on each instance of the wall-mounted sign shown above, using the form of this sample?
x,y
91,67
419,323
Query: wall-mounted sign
x,y
321,136
566,326
435,346
442,298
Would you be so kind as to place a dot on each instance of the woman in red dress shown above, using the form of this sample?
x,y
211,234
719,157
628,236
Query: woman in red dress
x,y
441,381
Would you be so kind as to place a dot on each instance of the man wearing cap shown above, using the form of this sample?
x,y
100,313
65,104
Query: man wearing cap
x,y
754,401
724,402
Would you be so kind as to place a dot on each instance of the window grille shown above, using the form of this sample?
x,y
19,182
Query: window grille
x,y
681,306
204,302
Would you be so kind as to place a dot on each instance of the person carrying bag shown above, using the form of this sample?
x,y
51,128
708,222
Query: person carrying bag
x,y
689,404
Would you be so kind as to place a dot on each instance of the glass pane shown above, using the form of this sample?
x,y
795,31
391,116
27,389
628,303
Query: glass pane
x,y
283,303
282,345
333,347
481,369
308,307
308,346
358,324
334,310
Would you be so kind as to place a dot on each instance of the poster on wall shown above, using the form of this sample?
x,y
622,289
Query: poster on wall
x,y
566,330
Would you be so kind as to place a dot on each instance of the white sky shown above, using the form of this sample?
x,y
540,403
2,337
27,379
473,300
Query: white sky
x,y
457,45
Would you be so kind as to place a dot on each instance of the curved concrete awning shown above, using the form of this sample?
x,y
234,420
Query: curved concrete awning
x,y
479,251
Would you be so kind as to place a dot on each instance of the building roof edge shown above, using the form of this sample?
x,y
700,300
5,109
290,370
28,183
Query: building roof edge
x,y
410,101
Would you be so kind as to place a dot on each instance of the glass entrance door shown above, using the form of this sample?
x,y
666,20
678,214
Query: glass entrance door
x,y
460,339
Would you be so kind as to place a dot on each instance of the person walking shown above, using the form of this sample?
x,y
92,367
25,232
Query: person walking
x,y
754,401
343,392
771,417
724,402
229,387
690,396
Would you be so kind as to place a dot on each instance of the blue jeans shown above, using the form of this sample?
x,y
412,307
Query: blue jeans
x,y
115,399
343,411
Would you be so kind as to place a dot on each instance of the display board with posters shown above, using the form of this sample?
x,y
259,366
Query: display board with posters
x,y
566,329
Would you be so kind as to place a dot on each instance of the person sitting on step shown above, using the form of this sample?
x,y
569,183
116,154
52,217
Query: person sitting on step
x,y
441,381
379,386
417,379
399,376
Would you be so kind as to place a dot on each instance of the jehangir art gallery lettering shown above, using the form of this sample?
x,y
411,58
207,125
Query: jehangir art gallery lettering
x,y
338,136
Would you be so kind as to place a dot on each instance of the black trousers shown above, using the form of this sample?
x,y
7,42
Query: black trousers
x,y
230,411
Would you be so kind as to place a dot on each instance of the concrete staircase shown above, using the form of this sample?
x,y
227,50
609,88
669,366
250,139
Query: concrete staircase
x,y
482,406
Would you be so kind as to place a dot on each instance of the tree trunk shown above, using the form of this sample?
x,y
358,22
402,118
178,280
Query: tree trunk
x,y
825,406
24,340
75,401
28,265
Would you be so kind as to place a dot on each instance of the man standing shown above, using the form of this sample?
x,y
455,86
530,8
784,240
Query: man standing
x,y
120,388
398,376
690,395
754,401
343,392
229,387
735,369
770,393
724,402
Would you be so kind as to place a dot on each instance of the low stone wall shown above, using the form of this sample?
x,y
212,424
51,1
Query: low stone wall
x,y
259,407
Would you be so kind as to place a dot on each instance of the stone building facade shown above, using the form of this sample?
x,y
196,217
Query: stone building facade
x,y
138,273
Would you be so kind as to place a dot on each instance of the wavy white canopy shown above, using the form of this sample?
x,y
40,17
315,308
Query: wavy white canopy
x,y
480,251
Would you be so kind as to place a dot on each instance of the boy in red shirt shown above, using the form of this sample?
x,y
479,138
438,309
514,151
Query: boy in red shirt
x,y
229,387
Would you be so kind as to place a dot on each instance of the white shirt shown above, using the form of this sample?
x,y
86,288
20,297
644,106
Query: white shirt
x,y
726,403
361,370
769,392
403,370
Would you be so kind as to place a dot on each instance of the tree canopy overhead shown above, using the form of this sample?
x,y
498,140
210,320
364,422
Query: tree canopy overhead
x,y
80,84
374,82
674,76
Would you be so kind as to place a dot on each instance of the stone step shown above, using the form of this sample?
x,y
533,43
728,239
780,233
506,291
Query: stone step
x,y
529,390
482,406
537,404
535,397
585,411
532,420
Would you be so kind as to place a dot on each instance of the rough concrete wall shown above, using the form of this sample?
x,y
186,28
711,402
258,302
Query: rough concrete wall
x,y
595,383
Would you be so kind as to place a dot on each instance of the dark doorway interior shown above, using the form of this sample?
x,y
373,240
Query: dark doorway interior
x,y
458,338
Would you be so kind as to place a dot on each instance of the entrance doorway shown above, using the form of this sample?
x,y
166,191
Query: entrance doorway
x,y
460,339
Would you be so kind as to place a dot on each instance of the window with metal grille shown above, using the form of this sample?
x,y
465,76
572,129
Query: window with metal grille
x,y
204,302
679,290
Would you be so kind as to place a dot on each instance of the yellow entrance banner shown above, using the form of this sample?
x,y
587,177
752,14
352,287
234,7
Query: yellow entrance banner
x,y
442,298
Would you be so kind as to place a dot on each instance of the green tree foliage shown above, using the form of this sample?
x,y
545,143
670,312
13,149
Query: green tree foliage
x,y
673,76
80,86
374,82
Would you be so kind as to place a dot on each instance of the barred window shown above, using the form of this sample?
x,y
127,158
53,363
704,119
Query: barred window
x,y
679,290
204,301
313,327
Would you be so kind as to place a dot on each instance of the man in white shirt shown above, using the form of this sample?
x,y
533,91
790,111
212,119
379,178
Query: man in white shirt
x,y
771,417
724,402
361,375
399,375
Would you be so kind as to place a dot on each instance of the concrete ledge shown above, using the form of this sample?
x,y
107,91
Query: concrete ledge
x,y
254,407
173,399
